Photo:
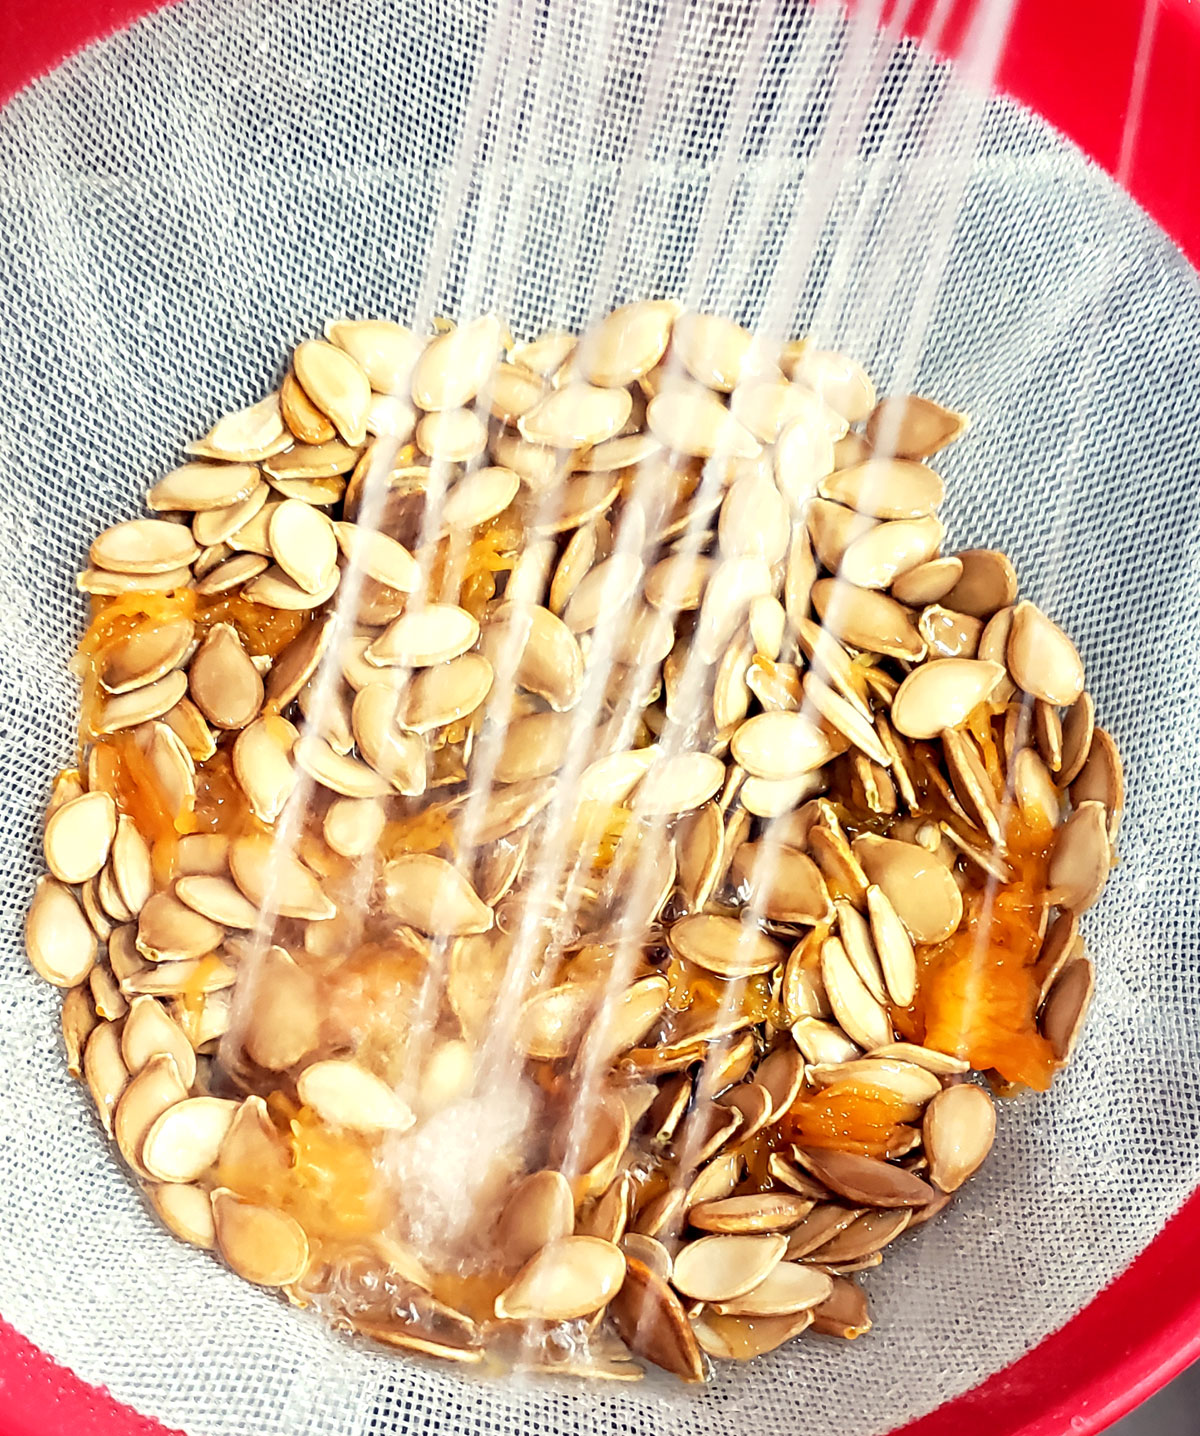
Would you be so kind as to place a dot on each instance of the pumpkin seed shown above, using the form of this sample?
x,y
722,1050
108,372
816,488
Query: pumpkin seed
x,y
260,1244
721,1268
959,1128
78,837
143,546
886,489
941,693
1042,659
453,369
422,637
224,684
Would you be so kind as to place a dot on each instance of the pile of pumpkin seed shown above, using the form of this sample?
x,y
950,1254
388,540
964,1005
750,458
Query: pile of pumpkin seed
x,y
638,728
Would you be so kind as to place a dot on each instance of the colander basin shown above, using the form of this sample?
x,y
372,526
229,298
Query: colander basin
x,y
1073,64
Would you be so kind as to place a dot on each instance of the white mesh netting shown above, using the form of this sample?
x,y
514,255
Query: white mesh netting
x,y
182,203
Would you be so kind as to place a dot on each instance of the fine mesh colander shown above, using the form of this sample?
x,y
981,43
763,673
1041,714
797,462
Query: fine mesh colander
x,y
185,200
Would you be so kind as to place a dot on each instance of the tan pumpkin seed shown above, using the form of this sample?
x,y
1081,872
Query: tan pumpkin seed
x,y
886,489
338,772
452,435
936,1062
767,406
79,836
336,385
104,1071
920,888
894,947
867,620
694,421
183,1142
104,584
833,529
456,366
274,589
215,526
867,1180
143,546
427,893
147,1095
877,558
803,455
576,416
603,590
540,1210
514,390
754,519
386,352
846,717
1047,728
79,1020
1042,659
1066,1007
724,945
863,1019
262,764
1102,780
379,556
840,381
650,1320
245,436
912,1084
303,544
959,1128
422,637
218,899
149,1032
301,415
987,585
570,1277
856,938
787,1289
169,931
752,1102
721,1268
1033,788
198,488
623,452
147,654
781,1073
863,1238
551,1022
223,682
760,1212
732,588
718,352
261,1245
928,583
58,938
437,696
345,1095
1082,856
479,496
913,427
779,882
782,745
678,784
1078,728
941,693
276,880
626,343
799,576
185,1211
735,1338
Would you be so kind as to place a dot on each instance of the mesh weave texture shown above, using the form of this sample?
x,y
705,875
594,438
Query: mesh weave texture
x,y
182,203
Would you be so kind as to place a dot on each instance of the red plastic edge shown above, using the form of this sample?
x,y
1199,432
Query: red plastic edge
x,y
1072,62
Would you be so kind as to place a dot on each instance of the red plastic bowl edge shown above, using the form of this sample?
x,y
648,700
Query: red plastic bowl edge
x,y
1058,59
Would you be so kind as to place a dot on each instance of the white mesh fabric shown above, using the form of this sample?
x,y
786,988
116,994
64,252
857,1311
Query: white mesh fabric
x,y
183,202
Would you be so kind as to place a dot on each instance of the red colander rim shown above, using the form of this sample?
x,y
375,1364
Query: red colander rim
x,y
1072,62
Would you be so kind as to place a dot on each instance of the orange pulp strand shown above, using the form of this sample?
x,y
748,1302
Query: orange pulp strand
x,y
978,994
849,1117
